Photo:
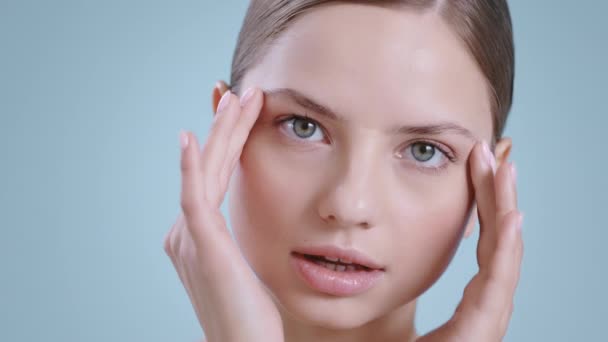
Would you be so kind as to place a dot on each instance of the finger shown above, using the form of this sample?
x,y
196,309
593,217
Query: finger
x,y
489,296
487,300
518,261
215,150
506,317
505,270
170,236
251,104
505,188
482,174
192,197
171,244
506,205
167,242
178,228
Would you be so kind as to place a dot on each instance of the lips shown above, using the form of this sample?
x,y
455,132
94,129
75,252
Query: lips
x,y
345,256
335,264
335,271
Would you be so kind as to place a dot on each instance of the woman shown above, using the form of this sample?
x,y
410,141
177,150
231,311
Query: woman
x,y
369,139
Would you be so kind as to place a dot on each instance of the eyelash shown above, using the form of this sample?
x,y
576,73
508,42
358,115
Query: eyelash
x,y
304,118
434,169
439,147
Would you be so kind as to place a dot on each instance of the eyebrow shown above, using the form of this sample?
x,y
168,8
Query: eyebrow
x,y
323,110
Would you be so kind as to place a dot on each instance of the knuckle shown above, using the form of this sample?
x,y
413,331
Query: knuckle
x,y
507,221
511,217
218,123
187,205
184,163
167,244
493,280
187,256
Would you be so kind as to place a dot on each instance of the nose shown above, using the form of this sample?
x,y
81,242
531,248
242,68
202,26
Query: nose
x,y
349,200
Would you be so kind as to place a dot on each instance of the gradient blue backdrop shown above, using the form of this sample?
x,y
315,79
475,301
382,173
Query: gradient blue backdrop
x,y
93,94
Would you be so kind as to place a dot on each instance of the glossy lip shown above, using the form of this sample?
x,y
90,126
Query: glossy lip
x,y
333,282
346,254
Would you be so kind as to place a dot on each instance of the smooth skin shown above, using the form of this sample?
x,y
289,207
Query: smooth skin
x,y
225,292
231,302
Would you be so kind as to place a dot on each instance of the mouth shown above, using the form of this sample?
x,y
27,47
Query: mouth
x,y
336,271
333,255
334,264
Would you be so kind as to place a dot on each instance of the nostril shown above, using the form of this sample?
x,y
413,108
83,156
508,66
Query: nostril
x,y
332,218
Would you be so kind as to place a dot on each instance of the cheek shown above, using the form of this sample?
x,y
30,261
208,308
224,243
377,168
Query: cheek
x,y
428,229
269,201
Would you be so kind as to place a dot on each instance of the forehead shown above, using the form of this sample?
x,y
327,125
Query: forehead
x,y
400,65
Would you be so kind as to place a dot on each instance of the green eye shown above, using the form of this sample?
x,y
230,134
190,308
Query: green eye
x,y
427,155
303,128
423,152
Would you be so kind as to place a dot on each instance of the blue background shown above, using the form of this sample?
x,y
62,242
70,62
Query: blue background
x,y
93,94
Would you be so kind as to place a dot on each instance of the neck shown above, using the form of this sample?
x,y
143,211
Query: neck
x,y
395,326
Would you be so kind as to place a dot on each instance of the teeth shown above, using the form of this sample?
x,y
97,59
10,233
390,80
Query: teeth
x,y
344,261
338,265
331,266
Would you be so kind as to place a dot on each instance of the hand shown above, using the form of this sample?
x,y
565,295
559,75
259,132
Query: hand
x,y
230,302
485,309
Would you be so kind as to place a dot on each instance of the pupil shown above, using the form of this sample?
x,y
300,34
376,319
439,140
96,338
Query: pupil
x,y
423,152
305,126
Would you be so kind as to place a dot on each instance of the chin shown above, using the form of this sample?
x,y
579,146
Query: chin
x,y
331,313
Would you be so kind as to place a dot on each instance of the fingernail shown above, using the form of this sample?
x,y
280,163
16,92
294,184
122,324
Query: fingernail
x,y
489,157
224,101
246,96
514,172
183,139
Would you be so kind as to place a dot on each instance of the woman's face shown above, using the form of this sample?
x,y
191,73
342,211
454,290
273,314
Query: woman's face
x,y
385,173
